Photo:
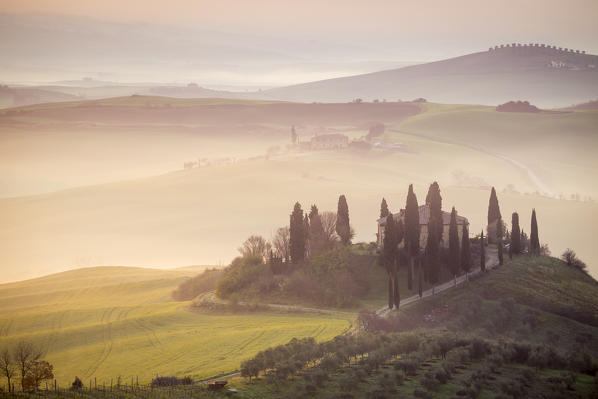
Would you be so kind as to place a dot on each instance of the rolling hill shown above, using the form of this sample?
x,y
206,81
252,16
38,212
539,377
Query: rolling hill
x,y
111,322
490,77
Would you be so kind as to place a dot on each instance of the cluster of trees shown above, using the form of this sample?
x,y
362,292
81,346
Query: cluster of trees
x,y
421,266
312,233
517,106
24,362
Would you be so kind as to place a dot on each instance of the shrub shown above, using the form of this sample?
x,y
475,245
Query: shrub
x,y
77,384
171,381
194,286
570,257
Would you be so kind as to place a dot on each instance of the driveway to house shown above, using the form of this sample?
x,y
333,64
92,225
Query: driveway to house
x,y
491,262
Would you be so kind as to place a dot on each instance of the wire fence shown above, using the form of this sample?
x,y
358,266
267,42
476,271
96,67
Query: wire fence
x,y
115,391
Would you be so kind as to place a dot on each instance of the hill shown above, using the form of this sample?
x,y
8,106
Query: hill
x,y
492,337
110,322
546,77
146,110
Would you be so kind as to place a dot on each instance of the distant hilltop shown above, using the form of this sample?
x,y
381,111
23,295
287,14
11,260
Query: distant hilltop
x,y
536,46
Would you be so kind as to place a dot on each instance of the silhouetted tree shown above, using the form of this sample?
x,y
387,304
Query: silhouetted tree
x,y
384,209
307,237
515,234
293,135
8,366
280,242
255,246
39,371
499,245
328,220
389,254
534,241
493,216
297,235
317,240
453,262
343,228
25,355
432,252
434,201
465,250
482,253
412,231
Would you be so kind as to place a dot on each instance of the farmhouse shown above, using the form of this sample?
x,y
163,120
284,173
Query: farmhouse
x,y
329,142
424,217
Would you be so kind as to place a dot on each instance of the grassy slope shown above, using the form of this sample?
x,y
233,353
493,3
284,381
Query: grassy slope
x,y
544,285
107,322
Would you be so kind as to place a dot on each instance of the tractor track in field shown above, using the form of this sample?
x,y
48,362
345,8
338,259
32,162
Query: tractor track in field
x,y
108,343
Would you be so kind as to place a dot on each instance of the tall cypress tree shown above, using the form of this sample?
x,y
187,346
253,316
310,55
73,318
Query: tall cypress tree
x,y
534,241
465,250
389,251
434,201
297,235
316,238
499,245
482,253
453,261
515,234
432,254
399,234
307,237
343,228
384,209
412,231
493,216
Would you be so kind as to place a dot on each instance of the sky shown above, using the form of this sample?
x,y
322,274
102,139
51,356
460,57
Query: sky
x,y
311,39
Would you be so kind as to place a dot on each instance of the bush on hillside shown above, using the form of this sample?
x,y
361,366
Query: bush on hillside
x,y
517,106
570,257
247,274
194,286
171,381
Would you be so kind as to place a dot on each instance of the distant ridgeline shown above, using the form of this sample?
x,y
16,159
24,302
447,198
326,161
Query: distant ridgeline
x,y
564,57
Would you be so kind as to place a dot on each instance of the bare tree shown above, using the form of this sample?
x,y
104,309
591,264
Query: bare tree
x,y
281,241
7,366
329,225
256,246
25,355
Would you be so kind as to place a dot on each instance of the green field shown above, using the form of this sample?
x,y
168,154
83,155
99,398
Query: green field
x,y
110,321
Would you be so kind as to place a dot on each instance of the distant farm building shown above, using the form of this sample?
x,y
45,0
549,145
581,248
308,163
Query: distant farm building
x,y
424,218
329,142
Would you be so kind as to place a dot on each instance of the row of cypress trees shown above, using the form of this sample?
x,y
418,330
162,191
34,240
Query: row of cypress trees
x,y
308,229
421,267
516,236
427,264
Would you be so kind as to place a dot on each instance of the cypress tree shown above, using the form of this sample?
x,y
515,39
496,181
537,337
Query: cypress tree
x,y
307,237
297,235
453,244
412,231
534,241
432,254
493,215
465,250
482,253
343,228
389,254
384,209
397,297
434,201
317,242
499,234
515,234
